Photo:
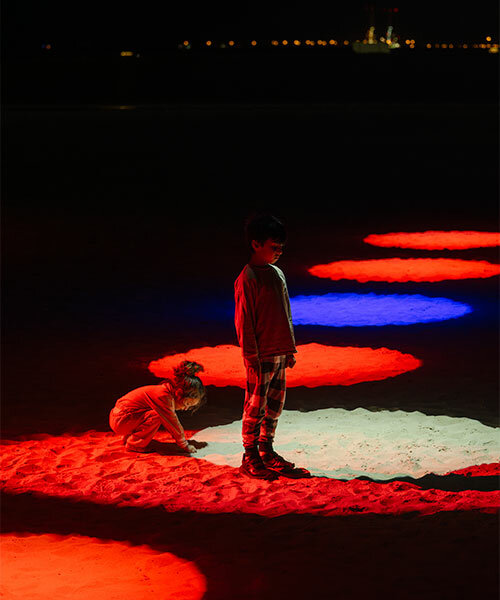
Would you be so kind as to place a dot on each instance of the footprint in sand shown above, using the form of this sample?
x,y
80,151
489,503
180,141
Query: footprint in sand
x,y
115,475
109,457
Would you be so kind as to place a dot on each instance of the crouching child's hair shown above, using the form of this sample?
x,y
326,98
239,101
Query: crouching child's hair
x,y
188,384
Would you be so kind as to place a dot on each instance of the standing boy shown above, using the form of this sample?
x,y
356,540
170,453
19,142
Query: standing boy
x,y
264,327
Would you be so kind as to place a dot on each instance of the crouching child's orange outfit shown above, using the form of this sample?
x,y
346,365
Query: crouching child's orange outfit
x,y
139,414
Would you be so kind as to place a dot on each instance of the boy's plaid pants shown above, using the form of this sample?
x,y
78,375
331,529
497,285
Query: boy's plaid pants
x,y
264,400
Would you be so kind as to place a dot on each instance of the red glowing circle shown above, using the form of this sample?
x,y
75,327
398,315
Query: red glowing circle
x,y
436,240
317,365
95,469
81,567
406,269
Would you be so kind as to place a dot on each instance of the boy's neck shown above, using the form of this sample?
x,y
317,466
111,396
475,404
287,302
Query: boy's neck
x,y
255,262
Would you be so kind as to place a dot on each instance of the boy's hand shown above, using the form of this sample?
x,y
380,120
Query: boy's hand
x,y
290,361
253,364
191,449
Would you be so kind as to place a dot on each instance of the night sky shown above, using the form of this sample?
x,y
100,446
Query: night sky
x,y
152,24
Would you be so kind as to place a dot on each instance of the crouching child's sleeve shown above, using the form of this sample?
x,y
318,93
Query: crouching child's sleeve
x,y
163,404
244,317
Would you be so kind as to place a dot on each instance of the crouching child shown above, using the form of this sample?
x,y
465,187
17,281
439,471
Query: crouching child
x,y
138,415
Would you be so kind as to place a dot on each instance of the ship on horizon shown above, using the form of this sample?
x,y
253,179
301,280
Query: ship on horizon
x,y
370,44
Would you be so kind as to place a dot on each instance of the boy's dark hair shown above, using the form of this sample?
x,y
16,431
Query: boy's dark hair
x,y
264,226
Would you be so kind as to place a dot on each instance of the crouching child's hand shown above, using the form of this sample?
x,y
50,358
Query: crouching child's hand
x,y
189,449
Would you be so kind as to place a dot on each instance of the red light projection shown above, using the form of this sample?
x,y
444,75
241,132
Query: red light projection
x,y
317,365
406,269
95,467
436,240
80,568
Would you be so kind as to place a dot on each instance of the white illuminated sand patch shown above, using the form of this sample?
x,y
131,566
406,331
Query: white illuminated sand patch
x,y
346,444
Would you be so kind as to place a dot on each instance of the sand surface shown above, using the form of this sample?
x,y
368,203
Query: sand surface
x,y
84,518
80,567
96,467
345,444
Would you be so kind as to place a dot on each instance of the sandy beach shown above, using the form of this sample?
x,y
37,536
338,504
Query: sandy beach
x,y
125,238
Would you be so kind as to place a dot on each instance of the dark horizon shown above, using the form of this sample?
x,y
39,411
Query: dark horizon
x,y
147,26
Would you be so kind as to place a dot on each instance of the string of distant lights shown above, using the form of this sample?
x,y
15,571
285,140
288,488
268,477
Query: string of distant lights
x,y
487,44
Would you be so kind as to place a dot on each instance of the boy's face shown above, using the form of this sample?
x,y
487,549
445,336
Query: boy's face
x,y
268,252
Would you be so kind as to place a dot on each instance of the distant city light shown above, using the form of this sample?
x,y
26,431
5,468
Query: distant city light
x,y
391,42
126,53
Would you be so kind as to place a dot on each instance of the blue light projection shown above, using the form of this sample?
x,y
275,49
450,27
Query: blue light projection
x,y
363,310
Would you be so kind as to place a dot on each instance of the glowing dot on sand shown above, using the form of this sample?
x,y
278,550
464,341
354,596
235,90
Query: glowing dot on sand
x,y
317,365
80,568
406,269
361,310
436,240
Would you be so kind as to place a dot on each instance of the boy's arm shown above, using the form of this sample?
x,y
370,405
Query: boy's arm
x,y
290,359
244,320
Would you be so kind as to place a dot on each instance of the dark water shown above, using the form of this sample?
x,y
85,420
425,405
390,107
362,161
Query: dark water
x,y
122,235
280,75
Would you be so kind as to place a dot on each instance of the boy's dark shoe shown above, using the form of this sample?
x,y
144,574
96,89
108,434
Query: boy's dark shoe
x,y
252,466
273,461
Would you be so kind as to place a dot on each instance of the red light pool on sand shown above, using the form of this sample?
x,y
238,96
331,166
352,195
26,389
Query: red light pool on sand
x,y
317,365
362,310
84,568
406,269
94,467
436,240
